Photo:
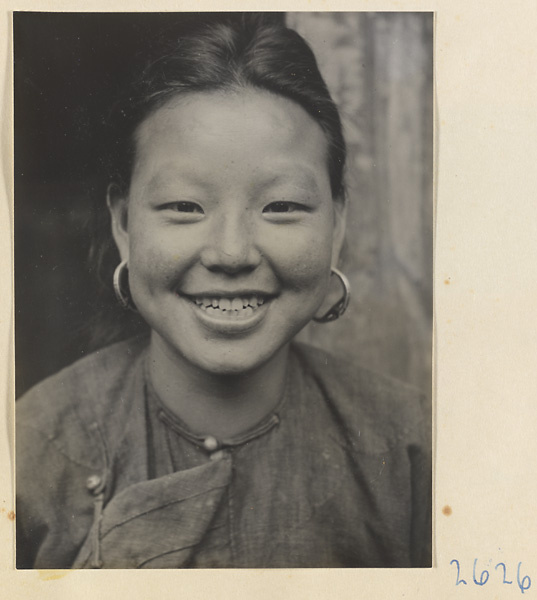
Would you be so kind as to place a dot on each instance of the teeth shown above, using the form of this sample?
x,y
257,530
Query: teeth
x,y
225,304
232,307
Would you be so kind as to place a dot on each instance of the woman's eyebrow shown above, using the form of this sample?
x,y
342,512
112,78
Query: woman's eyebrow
x,y
170,178
300,178
297,177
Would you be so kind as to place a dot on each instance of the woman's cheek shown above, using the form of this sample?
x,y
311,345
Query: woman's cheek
x,y
303,265
152,266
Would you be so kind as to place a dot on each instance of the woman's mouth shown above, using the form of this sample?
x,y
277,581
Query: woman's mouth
x,y
238,307
230,313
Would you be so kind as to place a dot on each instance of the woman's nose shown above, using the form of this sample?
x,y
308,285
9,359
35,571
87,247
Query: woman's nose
x,y
232,245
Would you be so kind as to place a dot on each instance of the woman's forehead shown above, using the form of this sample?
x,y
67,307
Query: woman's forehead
x,y
231,111
240,132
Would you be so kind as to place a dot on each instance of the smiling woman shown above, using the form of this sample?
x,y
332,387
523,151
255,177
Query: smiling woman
x,y
229,199
217,440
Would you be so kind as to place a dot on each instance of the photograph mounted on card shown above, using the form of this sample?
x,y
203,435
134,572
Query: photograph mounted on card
x,y
223,288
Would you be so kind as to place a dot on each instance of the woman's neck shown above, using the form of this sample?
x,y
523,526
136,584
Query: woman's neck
x,y
218,405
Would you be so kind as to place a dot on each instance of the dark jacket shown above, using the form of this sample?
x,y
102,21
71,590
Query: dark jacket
x,y
338,476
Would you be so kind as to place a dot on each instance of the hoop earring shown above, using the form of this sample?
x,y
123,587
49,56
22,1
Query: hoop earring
x,y
335,311
121,283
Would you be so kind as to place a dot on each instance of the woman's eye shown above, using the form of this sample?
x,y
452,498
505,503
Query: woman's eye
x,y
185,207
283,207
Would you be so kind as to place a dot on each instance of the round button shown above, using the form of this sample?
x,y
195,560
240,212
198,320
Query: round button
x,y
218,455
93,482
210,443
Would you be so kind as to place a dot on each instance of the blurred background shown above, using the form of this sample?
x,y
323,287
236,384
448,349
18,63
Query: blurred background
x,y
70,67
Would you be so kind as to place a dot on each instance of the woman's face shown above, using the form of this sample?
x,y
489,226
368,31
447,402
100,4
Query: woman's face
x,y
229,227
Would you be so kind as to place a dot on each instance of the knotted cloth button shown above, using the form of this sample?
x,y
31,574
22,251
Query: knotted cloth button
x,y
210,443
93,482
218,455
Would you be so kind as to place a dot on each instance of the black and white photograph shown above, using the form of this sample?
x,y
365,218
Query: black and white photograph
x,y
223,248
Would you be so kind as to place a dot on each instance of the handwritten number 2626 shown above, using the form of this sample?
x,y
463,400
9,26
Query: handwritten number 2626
x,y
482,578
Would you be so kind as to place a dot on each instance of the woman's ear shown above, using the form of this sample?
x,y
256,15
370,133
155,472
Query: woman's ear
x,y
118,207
340,222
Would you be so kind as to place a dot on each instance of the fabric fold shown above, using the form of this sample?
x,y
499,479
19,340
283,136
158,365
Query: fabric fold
x,y
158,523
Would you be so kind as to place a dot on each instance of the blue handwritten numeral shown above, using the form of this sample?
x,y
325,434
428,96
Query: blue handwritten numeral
x,y
459,581
504,573
483,578
524,582
523,586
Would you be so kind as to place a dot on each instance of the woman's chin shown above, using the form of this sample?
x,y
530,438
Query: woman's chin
x,y
235,363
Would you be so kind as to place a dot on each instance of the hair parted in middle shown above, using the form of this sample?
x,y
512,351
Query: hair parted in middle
x,y
252,51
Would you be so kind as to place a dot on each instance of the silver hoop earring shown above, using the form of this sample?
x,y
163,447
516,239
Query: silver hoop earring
x,y
121,283
335,311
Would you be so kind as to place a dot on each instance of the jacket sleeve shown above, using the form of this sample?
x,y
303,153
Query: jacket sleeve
x,y
31,454
421,483
421,531
54,508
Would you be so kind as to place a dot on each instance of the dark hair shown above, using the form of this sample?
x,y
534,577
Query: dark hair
x,y
250,50
253,51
